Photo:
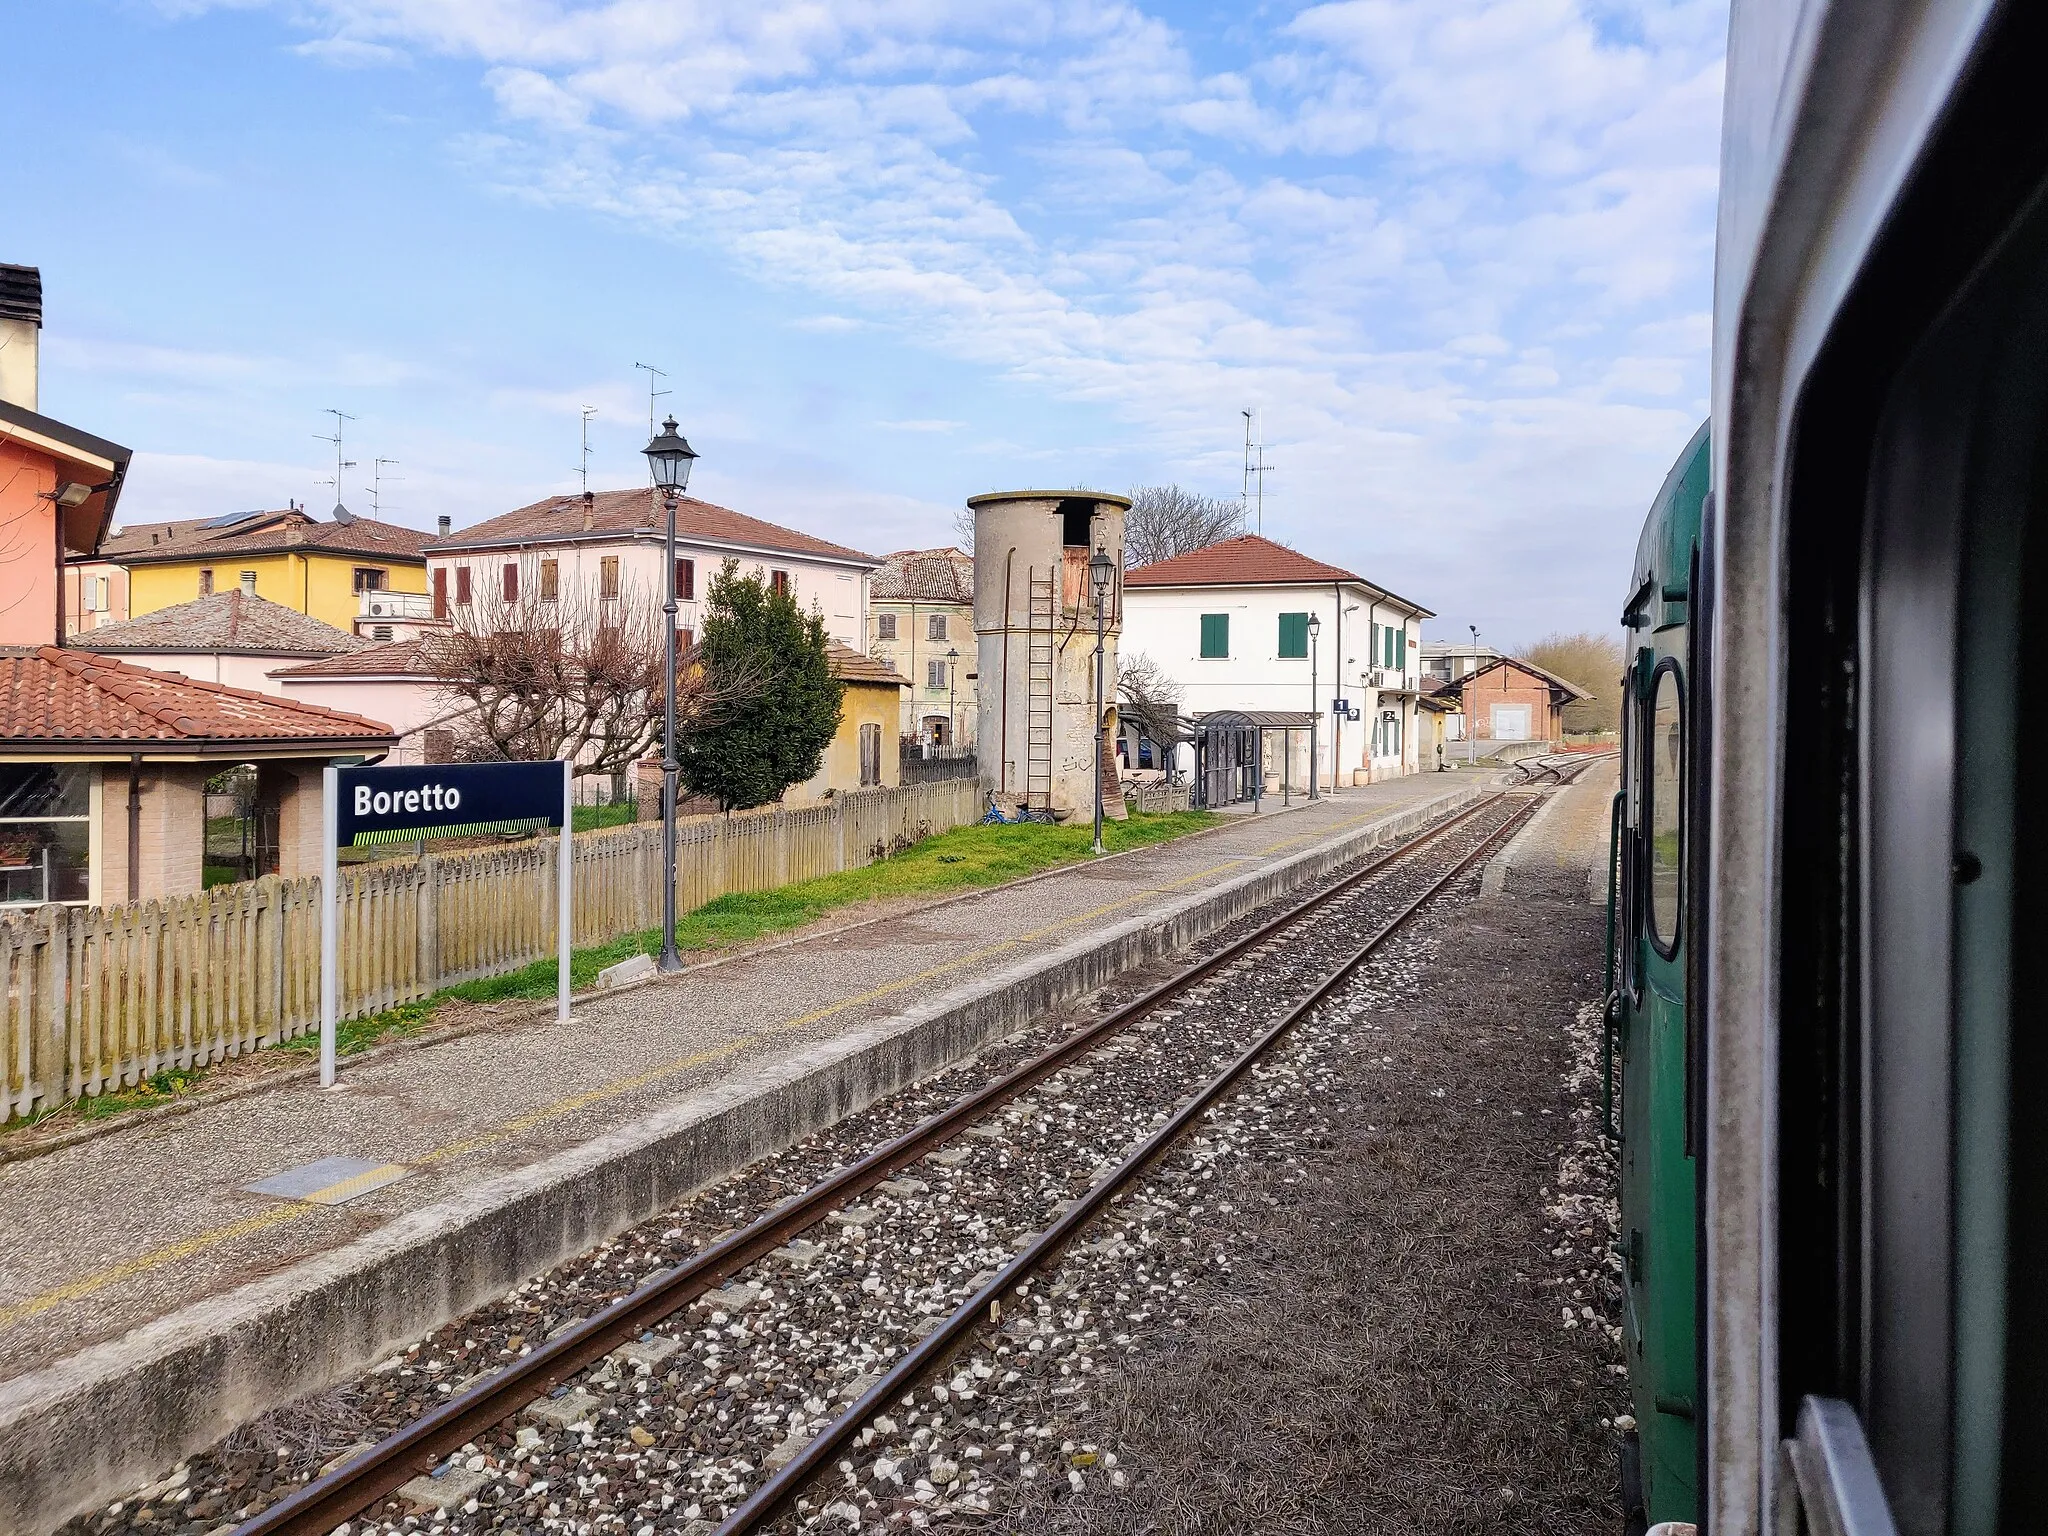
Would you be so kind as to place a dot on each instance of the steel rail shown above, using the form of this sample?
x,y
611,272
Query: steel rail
x,y
769,1500
419,1446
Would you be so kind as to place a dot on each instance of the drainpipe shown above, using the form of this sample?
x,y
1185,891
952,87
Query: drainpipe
x,y
135,828
1004,749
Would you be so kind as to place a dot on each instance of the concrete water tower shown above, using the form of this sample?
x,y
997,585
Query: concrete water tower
x,y
1034,616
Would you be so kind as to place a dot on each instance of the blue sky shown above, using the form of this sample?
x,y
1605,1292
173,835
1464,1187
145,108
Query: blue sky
x,y
895,252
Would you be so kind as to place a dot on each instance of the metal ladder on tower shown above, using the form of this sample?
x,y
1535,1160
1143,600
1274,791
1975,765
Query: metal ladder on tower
x,y
1039,691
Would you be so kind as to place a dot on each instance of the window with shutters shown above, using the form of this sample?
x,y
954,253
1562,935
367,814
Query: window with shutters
x,y
608,577
511,583
885,626
870,755
685,637
935,627
1293,636
206,583
778,582
1215,635
462,584
935,674
686,579
441,592
1401,649
550,580
370,578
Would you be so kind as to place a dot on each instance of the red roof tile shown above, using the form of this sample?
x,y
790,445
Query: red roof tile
x,y
263,533
926,575
560,518
851,666
52,698
234,622
1244,561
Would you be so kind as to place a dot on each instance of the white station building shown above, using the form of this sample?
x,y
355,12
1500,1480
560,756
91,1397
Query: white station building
x,y
1252,626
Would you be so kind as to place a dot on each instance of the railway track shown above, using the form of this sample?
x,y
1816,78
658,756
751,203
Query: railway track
x,y
1044,1131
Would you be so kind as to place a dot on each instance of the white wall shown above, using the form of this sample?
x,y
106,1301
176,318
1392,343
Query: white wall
x,y
840,591
1165,624
251,672
407,705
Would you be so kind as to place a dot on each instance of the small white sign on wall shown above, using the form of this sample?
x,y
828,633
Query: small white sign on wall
x,y
1510,722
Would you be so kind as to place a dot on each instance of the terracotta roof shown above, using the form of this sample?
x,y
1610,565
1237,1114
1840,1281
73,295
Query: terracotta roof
x,y
1456,686
262,533
1250,561
850,666
234,622
1246,560
925,575
559,519
54,698
391,659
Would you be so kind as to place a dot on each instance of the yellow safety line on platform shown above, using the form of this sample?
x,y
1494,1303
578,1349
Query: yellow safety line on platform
x,y
185,1248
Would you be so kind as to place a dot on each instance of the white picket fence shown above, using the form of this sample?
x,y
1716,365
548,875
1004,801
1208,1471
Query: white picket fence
x,y
98,998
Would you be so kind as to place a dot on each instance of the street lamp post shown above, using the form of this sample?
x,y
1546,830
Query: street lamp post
x,y
1100,570
670,458
1315,630
952,679
1471,704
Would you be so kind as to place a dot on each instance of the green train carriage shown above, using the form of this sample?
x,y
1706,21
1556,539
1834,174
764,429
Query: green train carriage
x,y
1653,1061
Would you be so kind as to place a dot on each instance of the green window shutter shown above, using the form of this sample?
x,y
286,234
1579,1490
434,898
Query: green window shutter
x,y
1401,647
1387,646
1215,635
1293,635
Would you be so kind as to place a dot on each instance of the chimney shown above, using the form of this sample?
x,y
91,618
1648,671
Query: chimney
x,y
248,583
443,526
21,325
294,530
589,510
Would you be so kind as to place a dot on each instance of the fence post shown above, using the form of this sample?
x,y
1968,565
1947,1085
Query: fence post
x,y
429,914
53,1045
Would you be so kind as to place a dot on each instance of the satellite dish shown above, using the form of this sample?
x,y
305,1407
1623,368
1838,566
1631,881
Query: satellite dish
x,y
342,515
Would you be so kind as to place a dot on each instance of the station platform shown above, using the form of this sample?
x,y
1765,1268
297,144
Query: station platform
x,y
109,1235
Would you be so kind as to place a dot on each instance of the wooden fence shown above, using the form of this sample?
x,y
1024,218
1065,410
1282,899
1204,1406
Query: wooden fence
x,y
98,998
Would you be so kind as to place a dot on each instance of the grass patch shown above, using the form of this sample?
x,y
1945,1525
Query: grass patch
x,y
963,859
595,818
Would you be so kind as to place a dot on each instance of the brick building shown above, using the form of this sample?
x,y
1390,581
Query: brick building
x,y
1509,701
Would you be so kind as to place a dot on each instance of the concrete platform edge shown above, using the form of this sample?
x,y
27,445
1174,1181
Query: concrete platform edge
x,y
175,1385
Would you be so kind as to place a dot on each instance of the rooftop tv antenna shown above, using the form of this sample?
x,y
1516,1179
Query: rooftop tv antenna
x,y
588,412
653,394
377,486
1251,495
341,513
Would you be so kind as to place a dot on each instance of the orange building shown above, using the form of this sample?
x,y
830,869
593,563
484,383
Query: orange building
x,y
103,765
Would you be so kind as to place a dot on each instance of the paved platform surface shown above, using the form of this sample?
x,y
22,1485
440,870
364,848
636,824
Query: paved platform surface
x,y
114,1232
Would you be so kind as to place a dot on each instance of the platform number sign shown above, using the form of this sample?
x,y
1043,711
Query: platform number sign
x,y
367,806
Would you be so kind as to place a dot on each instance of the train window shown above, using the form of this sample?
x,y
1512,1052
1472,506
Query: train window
x,y
1666,747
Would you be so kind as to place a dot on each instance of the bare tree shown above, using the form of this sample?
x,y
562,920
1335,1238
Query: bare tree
x,y
1592,661
1166,520
573,676
963,529
1148,698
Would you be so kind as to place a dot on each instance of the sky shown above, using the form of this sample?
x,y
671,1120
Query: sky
x,y
1456,254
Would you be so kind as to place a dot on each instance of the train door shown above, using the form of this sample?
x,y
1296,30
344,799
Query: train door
x,y
1657,1166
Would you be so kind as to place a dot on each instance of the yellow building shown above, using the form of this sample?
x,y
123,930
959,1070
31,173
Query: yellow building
x,y
863,753
298,561
921,621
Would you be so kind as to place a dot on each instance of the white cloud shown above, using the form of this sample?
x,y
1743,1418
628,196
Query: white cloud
x,y
1458,248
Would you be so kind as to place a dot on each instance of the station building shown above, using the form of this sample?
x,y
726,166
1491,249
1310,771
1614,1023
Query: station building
x,y
1251,627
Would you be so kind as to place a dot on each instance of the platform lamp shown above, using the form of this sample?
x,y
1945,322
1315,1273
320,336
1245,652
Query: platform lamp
x,y
1468,697
1315,707
670,458
952,713
1100,571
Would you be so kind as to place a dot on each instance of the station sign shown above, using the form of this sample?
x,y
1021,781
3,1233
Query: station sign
x,y
402,804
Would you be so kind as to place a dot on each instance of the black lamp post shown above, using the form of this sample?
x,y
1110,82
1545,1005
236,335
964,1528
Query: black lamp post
x,y
670,457
1315,630
952,719
1100,569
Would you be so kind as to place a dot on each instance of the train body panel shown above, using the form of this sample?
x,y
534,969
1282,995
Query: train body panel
x,y
1648,1008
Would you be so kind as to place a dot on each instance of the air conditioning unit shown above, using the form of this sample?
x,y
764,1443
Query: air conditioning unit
x,y
379,610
